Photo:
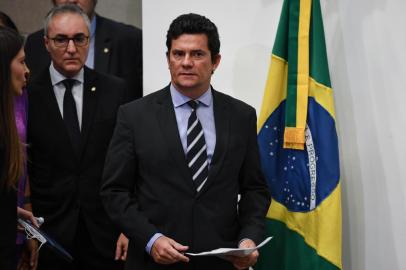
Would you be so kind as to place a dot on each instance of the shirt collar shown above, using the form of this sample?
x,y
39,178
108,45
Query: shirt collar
x,y
178,99
93,26
57,77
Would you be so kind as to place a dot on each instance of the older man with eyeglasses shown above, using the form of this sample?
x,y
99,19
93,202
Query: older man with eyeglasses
x,y
108,40
71,119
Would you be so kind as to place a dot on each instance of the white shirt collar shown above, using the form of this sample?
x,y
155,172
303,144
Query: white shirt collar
x,y
57,77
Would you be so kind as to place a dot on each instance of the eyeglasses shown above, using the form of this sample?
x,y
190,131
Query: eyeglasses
x,y
61,41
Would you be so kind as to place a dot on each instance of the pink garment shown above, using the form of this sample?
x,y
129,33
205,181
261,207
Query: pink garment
x,y
20,109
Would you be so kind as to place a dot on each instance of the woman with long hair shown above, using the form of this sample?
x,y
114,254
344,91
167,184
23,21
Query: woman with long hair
x,y
13,74
26,250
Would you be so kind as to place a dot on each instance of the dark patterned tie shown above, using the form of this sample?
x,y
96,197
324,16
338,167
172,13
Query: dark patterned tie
x,y
196,154
70,115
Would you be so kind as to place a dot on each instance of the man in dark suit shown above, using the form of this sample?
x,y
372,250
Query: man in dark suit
x,y
180,158
115,48
71,119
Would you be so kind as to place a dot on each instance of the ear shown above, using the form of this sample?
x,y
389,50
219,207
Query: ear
x,y
47,42
216,61
167,58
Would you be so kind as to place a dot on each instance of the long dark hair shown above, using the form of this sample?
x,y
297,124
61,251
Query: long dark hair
x,y
11,154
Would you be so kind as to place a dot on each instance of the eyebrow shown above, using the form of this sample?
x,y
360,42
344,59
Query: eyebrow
x,y
198,50
193,51
75,35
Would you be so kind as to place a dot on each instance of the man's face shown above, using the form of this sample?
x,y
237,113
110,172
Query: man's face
x,y
69,59
190,64
87,6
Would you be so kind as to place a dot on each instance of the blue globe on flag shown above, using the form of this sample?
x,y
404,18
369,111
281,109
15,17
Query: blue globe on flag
x,y
300,180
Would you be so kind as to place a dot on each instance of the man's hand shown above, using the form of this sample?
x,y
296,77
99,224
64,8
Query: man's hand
x,y
121,248
29,256
246,261
167,251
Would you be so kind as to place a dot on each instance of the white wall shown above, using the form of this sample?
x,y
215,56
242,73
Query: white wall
x,y
366,42
246,31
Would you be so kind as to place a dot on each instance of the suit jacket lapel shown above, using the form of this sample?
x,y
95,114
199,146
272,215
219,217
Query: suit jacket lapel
x,y
102,47
48,96
222,122
50,103
167,120
90,98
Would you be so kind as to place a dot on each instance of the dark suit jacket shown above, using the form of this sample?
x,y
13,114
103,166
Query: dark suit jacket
x,y
148,187
123,57
63,184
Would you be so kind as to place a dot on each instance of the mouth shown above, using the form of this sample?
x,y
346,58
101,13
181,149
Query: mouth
x,y
187,74
71,60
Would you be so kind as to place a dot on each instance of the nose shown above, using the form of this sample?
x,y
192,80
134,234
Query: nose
x,y
27,73
187,61
71,48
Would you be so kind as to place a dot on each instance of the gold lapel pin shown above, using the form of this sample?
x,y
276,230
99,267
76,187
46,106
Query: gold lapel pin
x,y
93,89
106,50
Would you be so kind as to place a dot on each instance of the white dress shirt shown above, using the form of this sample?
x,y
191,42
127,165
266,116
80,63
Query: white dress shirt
x,y
59,90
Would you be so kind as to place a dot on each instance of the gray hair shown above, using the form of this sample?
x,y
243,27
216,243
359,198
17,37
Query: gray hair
x,y
64,9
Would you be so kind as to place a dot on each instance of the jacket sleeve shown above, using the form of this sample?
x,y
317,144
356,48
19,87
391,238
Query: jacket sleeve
x,y
255,197
118,190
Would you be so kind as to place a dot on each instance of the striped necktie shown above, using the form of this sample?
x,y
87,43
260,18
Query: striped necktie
x,y
196,154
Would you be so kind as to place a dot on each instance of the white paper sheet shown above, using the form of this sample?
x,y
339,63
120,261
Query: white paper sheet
x,y
221,252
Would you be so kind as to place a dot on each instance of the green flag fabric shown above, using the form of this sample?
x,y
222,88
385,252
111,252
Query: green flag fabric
x,y
299,147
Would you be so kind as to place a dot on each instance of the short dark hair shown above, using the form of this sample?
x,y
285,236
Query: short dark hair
x,y
194,24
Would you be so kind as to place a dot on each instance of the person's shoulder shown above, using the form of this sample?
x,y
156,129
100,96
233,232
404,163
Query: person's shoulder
x,y
148,101
111,88
35,37
109,84
104,77
41,78
33,42
117,28
39,83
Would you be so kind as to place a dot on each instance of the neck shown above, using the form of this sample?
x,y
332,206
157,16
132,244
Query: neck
x,y
193,93
67,74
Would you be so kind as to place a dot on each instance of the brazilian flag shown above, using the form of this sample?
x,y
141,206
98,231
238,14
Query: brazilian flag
x,y
299,148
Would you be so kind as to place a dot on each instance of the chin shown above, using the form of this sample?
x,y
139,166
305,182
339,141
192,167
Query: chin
x,y
18,92
72,71
187,84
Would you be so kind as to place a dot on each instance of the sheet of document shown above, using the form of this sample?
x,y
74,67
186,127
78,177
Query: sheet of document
x,y
221,252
